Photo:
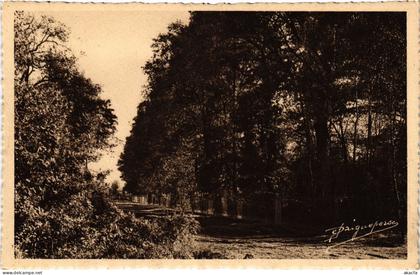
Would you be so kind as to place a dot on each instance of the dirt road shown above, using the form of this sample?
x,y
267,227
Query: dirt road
x,y
233,239
222,237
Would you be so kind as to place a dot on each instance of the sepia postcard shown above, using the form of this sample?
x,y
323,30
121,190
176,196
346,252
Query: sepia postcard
x,y
209,136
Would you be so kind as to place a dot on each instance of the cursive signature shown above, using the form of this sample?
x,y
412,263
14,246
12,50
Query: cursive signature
x,y
358,231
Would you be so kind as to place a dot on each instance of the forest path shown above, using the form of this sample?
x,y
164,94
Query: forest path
x,y
238,239
224,237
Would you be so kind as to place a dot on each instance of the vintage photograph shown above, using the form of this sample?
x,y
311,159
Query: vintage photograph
x,y
209,134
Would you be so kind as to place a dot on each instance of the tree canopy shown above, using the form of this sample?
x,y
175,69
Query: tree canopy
x,y
309,105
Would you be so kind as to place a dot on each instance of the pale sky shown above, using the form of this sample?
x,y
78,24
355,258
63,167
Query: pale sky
x,y
112,47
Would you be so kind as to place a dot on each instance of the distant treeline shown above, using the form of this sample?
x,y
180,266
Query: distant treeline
x,y
310,107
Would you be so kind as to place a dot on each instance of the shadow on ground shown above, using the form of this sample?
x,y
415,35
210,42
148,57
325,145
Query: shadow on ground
x,y
223,237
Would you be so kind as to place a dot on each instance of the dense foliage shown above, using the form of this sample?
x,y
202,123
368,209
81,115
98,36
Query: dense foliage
x,y
308,106
61,208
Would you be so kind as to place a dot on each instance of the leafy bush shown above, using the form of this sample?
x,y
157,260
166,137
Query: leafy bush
x,y
89,226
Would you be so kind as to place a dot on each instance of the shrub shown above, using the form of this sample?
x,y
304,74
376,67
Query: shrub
x,y
89,226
